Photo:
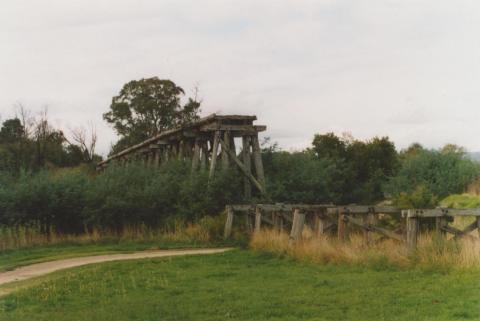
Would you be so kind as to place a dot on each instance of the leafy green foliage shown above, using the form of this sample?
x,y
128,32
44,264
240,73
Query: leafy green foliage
x,y
301,178
425,176
147,107
362,167
70,201
461,201
36,147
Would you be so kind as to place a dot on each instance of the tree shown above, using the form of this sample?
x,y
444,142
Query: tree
x,y
434,173
329,145
147,107
85,143
362,166
12,131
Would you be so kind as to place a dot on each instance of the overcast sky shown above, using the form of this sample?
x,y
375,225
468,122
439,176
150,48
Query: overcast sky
x,y
409,69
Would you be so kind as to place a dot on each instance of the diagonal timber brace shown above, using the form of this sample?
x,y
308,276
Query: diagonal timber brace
x,y
244,169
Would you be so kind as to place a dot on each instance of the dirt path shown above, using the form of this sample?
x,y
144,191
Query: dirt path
x,y
39,269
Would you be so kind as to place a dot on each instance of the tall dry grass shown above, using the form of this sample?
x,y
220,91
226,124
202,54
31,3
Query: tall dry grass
x,y
21,236
431,252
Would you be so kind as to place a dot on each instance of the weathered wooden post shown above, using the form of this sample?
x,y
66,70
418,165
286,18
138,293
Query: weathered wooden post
x,y
203,155
157,157
225,148
213,161
246,155
413,227
196,155
228,222
440,223
181,150
257,158
342,225
369,219
297,226
248,221
258,219
319,223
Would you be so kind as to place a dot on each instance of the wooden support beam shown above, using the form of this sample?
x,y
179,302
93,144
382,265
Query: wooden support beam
x,y
228,222
258,219
461,233
370,227
247,162
196,155
257,159
248,222
245,171
157,153
253,129
363,209
225,142
278,221
166,154
203,155
181,150
319,224
413,228
440,223
287,208
370,220
342,228
297,226
213,161
441,212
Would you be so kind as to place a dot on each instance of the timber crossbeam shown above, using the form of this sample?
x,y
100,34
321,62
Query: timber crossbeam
x,y
208,143
322,217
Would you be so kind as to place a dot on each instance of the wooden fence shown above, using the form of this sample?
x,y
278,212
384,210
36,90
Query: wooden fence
x,y
328,218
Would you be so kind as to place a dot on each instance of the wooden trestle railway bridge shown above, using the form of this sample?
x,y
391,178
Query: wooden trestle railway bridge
x,y
208,142
340,220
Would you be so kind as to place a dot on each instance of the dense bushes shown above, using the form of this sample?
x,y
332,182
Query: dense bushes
x,y
332,171
72,201
362,167
301,178
426,176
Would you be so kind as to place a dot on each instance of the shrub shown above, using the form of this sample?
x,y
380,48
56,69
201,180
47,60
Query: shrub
x,y
429,175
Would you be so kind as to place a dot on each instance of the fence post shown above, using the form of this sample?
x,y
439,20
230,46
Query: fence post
x,y
342,225
297,226
258,219
440,222
412,230
248,221
369,219
319,224
228,222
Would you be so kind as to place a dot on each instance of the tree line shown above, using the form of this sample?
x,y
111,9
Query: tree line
x,y
41,182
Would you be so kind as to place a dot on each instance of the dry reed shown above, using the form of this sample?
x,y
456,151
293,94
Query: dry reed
x,y
431,252
21,236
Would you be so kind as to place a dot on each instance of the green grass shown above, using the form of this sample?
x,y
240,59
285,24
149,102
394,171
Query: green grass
x,y
242,285
10,259
461,201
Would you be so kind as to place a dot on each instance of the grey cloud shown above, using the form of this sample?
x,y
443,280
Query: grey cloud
x,y
400,68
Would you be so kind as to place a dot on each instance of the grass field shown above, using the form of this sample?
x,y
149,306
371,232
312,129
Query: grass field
x,y
244,285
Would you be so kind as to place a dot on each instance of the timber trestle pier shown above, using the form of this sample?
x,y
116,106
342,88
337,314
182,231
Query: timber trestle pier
x,y
208,143
325,219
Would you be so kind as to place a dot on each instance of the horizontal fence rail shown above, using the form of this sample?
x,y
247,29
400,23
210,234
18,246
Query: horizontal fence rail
x,y
328,218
